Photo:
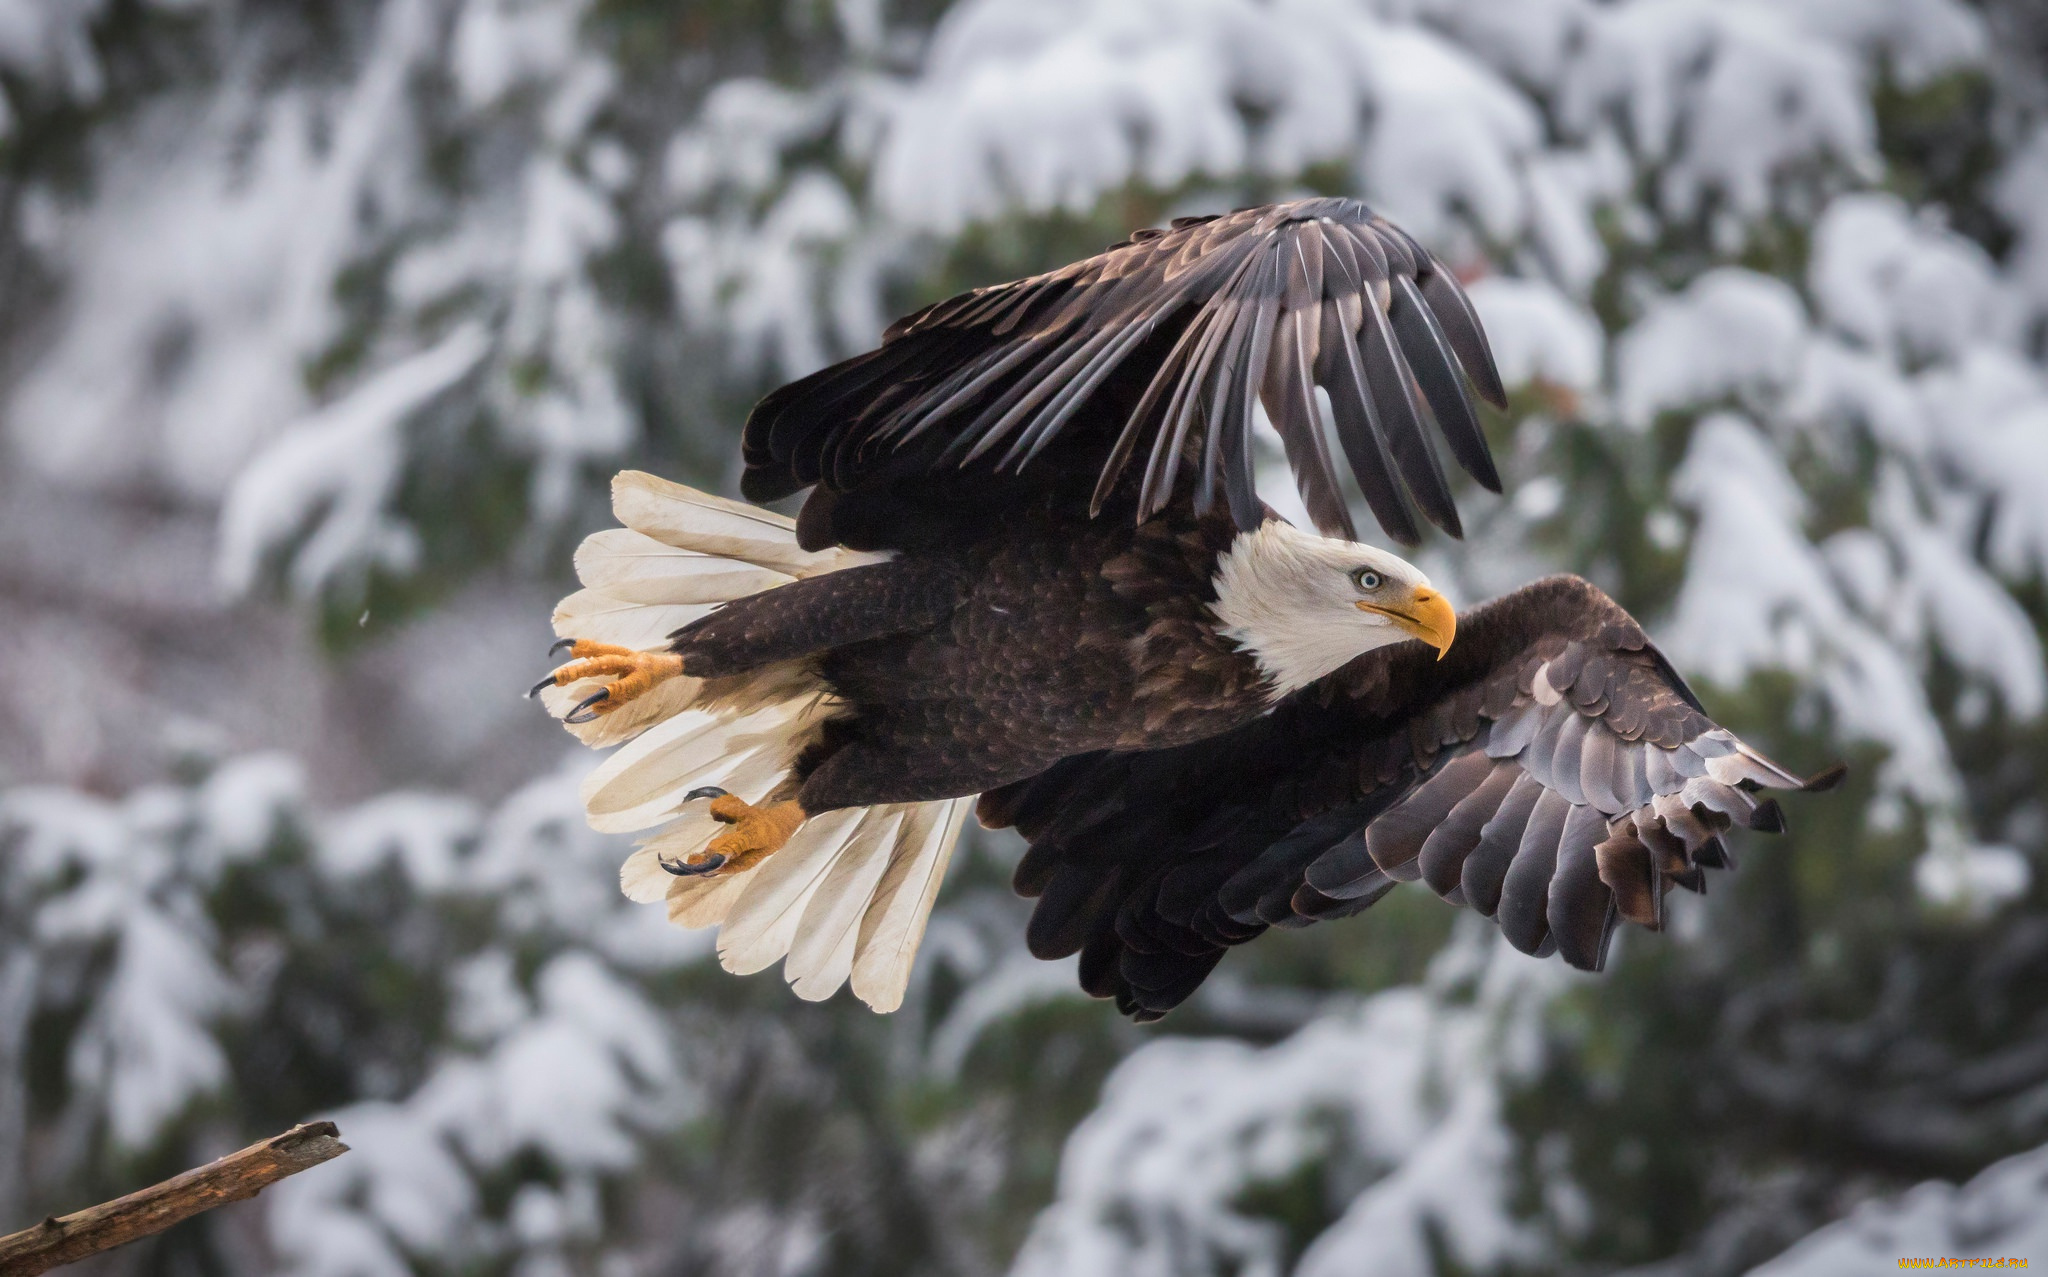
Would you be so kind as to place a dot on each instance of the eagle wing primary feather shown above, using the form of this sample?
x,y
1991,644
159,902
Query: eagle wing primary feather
x,y
1552,773
1189,324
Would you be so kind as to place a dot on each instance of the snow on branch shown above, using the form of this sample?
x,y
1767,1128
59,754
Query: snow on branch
x,y
339,466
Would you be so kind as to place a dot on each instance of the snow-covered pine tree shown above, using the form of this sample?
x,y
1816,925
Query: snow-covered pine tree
x,y
326,323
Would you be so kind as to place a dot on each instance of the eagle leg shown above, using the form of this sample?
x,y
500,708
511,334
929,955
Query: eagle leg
x,y
633,673
756,832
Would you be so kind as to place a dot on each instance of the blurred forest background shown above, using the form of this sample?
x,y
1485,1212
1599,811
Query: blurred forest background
x,y
323,324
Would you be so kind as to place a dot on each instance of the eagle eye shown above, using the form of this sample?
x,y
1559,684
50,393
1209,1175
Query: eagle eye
x,y
1366,579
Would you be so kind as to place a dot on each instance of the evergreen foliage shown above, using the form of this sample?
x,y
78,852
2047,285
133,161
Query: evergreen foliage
x,y
324,326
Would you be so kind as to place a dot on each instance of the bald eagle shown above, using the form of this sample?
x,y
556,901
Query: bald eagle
x,y
1032,569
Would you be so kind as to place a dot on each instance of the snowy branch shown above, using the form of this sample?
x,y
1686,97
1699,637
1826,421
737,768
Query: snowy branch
x,y
125,1219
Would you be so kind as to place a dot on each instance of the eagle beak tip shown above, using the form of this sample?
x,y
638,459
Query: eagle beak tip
x,y
1429,618
1440,620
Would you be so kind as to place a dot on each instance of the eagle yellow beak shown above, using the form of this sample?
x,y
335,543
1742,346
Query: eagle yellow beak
x,y
1427,615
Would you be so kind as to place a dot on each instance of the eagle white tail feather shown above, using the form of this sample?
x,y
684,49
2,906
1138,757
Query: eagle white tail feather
x,y
588,614
634,568
821,956
703,746
704,902
849,895
893,925
692,520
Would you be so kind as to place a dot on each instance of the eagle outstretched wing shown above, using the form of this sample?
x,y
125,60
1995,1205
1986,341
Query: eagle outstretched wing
x,y
1553,772
1181,327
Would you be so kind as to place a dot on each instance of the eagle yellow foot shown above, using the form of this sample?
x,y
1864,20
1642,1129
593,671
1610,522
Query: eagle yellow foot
x,y
756,833
633,673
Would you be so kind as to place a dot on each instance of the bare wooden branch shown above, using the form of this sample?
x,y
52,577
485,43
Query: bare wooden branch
x,y
232,1178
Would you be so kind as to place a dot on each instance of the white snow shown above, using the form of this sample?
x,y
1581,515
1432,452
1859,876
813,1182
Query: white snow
x,y
1732,333
1918,39
2021,194
1727,99
1975,623
575,1075
344,462
1758,594
120,879
400,1189
1014,982
1046,106
1050,106
203,274
1996,1215
1901,287
1448,139
577,1067
147,1046
570,1081
1525,142
548,873
1538,333
1398,1096
244,802
200,285
1987,415
760,280
502,44
1972,878
421,833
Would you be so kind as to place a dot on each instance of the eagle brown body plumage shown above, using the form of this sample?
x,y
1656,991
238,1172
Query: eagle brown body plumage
x,y
1032,566
965,668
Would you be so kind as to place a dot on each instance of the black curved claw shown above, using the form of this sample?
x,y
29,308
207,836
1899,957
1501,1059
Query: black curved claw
x,y
560,644
540,687
683,869
704,791
579,714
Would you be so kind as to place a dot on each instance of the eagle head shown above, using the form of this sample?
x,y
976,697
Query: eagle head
x,y
1303,605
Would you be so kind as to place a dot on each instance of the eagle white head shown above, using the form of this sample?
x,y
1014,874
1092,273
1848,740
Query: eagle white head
x,y
1303,605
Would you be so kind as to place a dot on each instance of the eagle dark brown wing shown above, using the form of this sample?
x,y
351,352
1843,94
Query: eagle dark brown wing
x,y
1191,323
1553,772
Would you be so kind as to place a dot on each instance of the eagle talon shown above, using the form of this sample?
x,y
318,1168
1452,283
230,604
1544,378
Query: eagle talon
x,y
585,710
757,831
684,869
561,645
633,673
704,791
